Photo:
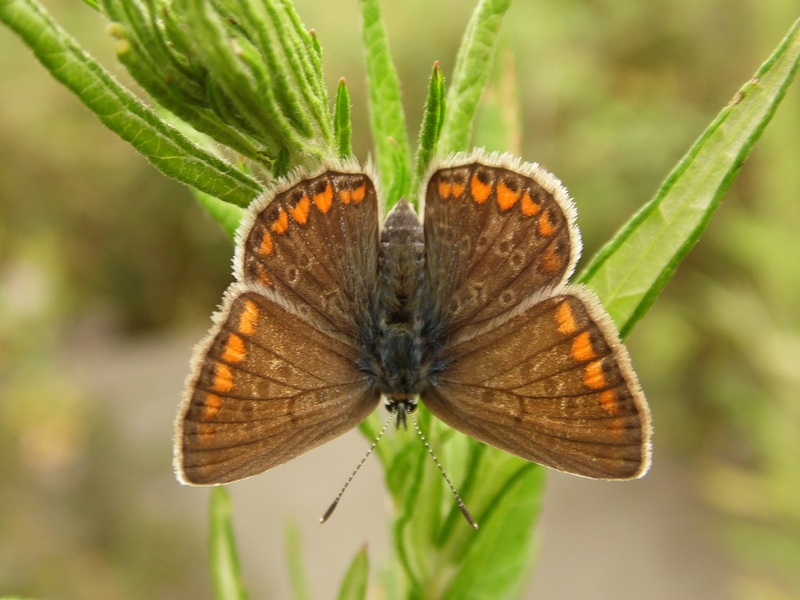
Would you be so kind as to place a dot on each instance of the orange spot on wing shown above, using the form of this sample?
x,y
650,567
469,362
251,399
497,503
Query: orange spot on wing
x,y
551,261
582,347
234,349
345,196
263,278
480,191
281,224
223,378
608,400
211,406
248,318
594,377
545,225
300,211
565,319
205,433
529,207
506,197
324,199
458,190
358,193
266,244
445,189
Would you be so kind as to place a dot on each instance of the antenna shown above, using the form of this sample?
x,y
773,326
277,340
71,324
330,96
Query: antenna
x,y
335,503
461,505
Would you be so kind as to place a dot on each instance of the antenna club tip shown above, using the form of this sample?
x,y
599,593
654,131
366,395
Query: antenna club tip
x,y
329,512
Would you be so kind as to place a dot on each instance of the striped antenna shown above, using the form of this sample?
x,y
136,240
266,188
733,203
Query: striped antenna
x,y
461,505
335,503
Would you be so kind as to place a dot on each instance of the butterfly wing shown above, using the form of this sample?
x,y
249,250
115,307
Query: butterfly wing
x,y
277,375
533,367
494,235
266,387
551,383
315,243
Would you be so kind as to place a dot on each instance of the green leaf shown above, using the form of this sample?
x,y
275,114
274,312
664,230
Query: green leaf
x,y
632,269
246,73
431,127
168,150
227,215
294,556
472,71
499,558
225,571
245,82
498,124
157,67
342,128
386,111
354,586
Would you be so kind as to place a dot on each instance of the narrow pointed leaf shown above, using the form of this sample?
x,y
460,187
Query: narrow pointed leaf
x,y
294,556
431,128
343,129
168,150
225,571
496,565
473,67
354,586
227,215
498,124
632,269
386,111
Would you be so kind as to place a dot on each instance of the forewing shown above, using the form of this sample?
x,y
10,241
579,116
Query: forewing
x,y
266,386
552,384
495,232
314,241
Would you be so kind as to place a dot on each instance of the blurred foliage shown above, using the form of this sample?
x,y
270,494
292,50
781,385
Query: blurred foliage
x,y
612,94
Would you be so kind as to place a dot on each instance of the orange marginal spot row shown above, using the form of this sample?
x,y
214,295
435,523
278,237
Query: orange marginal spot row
x,y
594,377
480,191
281,224
211,406
300,211
447,189
529,207
263,278
582,347
223,378
545,226
608,400
205,433
506,197
565,319
355,196
248,318
234,350
551,261
266,244
324,199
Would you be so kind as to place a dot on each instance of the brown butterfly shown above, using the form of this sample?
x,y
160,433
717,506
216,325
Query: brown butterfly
x,y
468,311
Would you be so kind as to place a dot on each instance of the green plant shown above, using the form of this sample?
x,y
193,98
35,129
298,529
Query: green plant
x,y
248,76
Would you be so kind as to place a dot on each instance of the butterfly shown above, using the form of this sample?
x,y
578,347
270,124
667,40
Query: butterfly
x,y
467,310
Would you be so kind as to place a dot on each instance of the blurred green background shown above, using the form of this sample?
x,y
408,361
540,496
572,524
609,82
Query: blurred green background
x,y
99,251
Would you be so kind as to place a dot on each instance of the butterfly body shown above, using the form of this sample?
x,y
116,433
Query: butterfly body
x,y
400,351
467,309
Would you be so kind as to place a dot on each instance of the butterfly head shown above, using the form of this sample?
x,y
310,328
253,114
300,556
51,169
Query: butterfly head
x,y
401,407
